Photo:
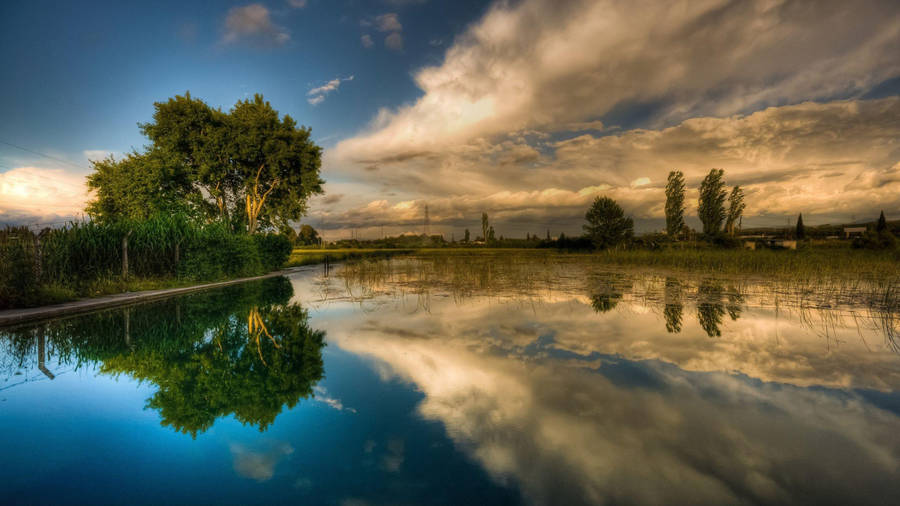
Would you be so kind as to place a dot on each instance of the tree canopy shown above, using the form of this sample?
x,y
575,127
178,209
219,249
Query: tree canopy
x,y
248,166
607,225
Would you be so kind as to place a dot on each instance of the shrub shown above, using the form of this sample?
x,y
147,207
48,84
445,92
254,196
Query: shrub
x,y
274,250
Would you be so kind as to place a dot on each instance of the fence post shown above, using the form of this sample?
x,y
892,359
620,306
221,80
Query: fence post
x,y
125,256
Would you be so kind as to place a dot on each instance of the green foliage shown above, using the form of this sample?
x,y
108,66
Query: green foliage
x,y
736,208
308,236
675,203
17,267
81,257
484,227
139,186
253,166
607,225
274,250
711,208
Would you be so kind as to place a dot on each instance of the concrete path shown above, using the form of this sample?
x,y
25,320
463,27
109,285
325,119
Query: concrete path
x,y
18,316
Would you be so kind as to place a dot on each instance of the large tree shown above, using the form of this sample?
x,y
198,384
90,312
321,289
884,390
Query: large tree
x,y
607,224
675,203
249,164
736,208
711,208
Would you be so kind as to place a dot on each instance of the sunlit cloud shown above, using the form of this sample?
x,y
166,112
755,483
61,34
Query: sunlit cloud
x,y
33,194
500,111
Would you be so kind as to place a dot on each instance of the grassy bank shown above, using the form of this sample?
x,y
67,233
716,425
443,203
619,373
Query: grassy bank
x,y
808,263
309,256
91,259
814,262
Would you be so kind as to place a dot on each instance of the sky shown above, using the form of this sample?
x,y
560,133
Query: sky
x,y
526,110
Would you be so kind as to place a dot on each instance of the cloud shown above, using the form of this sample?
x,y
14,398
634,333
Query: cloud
x,y
389,22
317,95
366,40
829,160
97,154
525,65
297,4
254,24
394,41
258,465
322,396
43,195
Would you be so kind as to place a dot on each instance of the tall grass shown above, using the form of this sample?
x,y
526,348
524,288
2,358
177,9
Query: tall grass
x,y
87,258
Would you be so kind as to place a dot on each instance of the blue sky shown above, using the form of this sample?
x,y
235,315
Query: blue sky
x,y
524,109
83,74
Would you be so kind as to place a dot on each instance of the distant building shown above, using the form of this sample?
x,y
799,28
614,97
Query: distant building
x,y
851,231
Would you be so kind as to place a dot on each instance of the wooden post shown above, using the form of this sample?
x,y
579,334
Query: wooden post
x,y
125,256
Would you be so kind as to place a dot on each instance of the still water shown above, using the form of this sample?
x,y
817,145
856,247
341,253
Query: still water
x,y
462,380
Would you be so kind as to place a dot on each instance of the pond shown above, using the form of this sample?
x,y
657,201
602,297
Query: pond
x,y
463,379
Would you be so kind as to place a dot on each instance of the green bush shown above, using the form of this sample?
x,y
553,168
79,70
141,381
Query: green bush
x,y
274,250
18,280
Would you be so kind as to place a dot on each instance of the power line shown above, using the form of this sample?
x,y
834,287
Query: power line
x,y
73,164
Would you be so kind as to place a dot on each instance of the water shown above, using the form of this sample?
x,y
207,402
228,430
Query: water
x,y
462,380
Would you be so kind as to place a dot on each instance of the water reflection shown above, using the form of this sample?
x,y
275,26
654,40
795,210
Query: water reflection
x,y
499,379
584,386
244,351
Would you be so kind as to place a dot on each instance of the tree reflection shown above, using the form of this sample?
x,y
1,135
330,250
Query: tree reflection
x,y
674,309
606,290
710,308
243,351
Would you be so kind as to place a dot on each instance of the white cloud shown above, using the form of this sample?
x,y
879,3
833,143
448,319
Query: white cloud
x,y
253,23
317,95
366,40
297,4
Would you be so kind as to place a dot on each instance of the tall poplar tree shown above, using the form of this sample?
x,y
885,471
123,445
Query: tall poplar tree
x,y
675,203
711,208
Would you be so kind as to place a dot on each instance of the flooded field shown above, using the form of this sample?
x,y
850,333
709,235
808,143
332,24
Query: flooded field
x,y
464,379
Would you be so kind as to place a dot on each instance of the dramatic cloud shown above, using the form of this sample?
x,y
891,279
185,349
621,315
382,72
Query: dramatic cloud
x,y
32,194
253,24
545,64
317,95
499,113
835,160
